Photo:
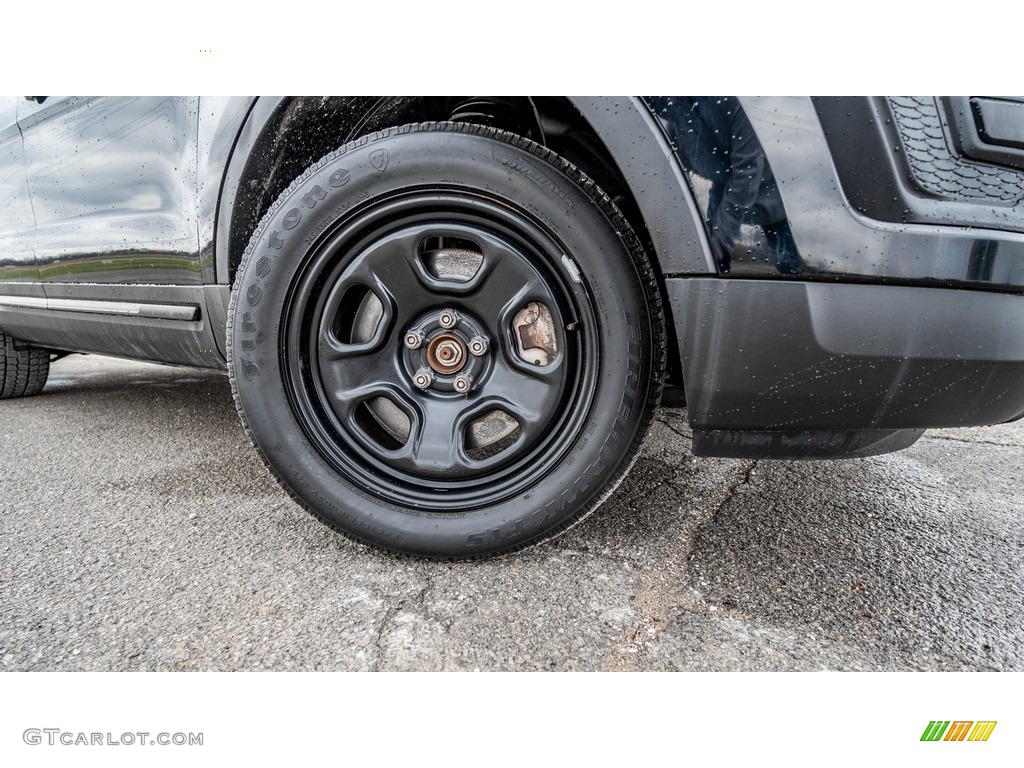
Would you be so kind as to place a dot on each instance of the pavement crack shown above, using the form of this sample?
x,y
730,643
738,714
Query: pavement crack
x,y
377,641
391,613
684,435
428,586
735,486
663,585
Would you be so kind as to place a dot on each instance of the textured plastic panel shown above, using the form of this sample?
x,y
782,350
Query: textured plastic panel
x,y
796,357
934,166
825,444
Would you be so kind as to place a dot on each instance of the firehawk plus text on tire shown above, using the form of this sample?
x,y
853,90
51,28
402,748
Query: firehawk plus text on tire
x,y
446,342
23,370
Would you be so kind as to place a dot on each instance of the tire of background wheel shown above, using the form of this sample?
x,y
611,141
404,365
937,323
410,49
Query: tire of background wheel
x,y
23,371
367,226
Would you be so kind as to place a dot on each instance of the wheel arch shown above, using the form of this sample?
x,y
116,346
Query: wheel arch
x,y
615,140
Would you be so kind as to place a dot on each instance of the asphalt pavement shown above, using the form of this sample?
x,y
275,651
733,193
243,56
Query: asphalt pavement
x,y
140,531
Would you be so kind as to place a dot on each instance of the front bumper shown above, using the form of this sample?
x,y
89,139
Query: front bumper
x,y
814,369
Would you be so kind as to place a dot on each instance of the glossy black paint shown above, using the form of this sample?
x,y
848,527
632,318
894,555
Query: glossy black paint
x,y
257,121
988,129
843,245
114,188
636,144
873,166
628,131
220,126
119,197
17,260
782,156
732,181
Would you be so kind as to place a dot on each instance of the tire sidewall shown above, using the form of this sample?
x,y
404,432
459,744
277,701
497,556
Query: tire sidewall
x,y
610,281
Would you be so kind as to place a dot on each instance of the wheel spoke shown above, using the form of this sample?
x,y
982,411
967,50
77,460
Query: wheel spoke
x,y
530,395
394,270
332,349
390,269
357,374
436,446
504,283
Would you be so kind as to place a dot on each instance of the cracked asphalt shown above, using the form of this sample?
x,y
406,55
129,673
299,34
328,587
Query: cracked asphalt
x,y
139,531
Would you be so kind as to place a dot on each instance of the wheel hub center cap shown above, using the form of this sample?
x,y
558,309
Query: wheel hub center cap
x,y
446,353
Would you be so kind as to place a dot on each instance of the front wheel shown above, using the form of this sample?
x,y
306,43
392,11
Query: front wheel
x,y
446,342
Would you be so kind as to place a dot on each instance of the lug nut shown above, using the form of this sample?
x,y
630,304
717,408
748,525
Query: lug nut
x,y
477,346
463,383
414,339
423,378
448,318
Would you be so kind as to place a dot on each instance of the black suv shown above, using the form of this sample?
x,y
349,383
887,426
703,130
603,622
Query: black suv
x,y
448,320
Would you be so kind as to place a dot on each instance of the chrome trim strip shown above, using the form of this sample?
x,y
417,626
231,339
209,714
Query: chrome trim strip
x,y
23,301
100,307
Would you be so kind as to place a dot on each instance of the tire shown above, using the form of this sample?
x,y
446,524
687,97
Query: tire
x,y
23,371
446,342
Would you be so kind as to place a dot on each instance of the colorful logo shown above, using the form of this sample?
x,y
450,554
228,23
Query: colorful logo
x,y
958,730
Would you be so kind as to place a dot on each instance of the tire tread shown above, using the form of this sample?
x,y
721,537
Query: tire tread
x,y
23,371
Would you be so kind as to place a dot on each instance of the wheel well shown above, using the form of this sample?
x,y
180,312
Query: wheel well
x,y
303,129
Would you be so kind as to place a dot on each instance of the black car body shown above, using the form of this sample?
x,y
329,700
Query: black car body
x,y
824,278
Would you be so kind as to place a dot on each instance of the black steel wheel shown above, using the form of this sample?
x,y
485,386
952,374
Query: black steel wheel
x,y
445,341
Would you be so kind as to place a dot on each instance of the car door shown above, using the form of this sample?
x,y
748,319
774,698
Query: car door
x,y
114,189
113,184
17,261
23,308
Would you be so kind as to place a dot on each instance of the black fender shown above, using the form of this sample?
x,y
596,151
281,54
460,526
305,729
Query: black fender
x,y
629,132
